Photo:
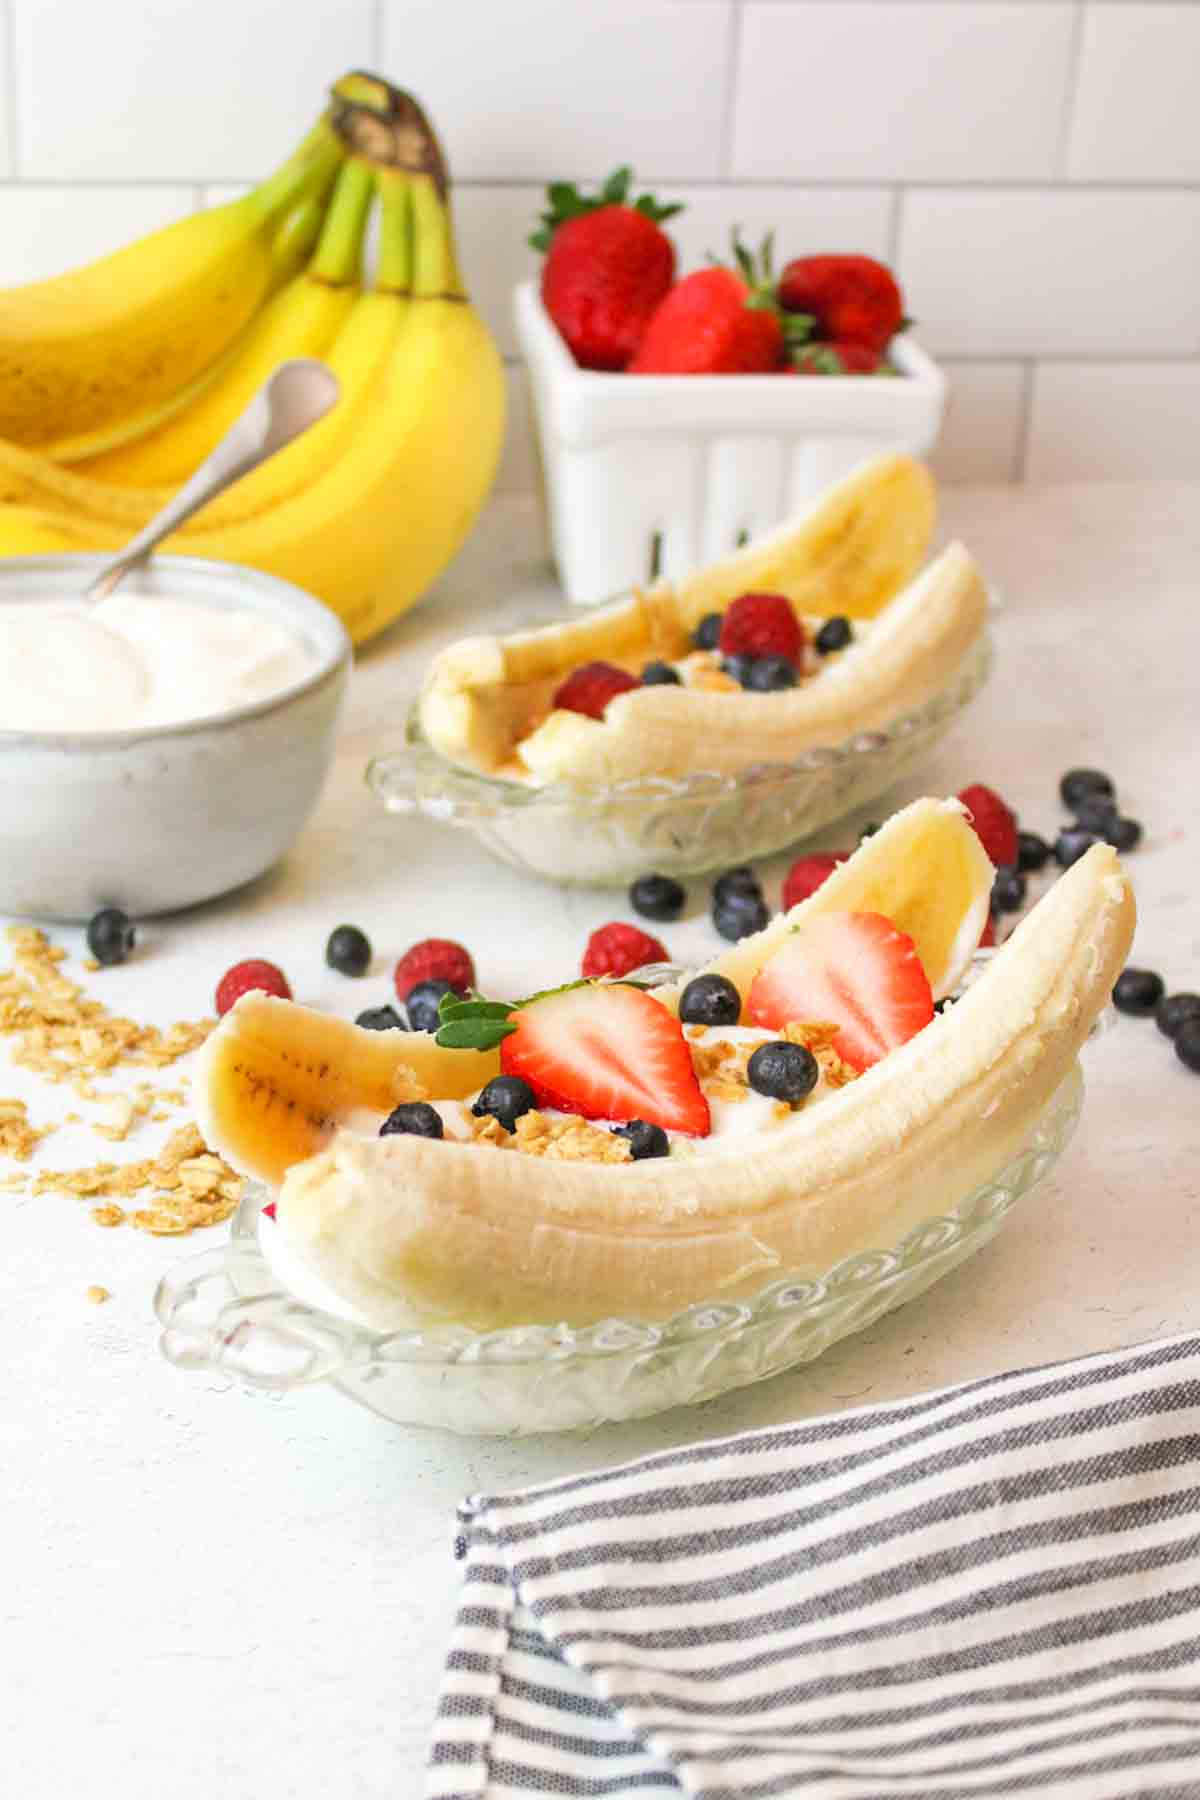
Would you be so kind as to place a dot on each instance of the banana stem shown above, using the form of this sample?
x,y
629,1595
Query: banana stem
x,y
339,250
310,169
395,272
435,266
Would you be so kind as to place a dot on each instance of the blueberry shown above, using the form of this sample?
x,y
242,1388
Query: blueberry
x,y
770,675
941,1006
661,674
1008,890
738,915
707,632
422,1002
1138,991
506,1097
834,634
735,881
657,897
1123,834
739,667
1095,813
110,936
1033,852
348,950
1187,1044
1174,1010
1071,844
643,1139
710,1000
381,1018
1078,784
416,1117
783,1071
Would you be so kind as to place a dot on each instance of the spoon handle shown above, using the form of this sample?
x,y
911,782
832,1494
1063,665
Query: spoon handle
x,y
295,396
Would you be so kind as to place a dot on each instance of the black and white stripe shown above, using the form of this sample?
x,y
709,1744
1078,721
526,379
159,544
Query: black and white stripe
x,y
987,1591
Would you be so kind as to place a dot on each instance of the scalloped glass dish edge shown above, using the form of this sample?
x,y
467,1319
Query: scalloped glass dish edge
x,y
225,1311
678,825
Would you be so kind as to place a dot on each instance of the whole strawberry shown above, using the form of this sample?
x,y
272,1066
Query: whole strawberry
x,y
608,264
721,322
851,299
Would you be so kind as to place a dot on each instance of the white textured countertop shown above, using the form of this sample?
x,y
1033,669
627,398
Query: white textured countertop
x,y
211,1593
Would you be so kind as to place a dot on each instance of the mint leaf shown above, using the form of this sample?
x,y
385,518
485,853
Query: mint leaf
x,y
474,1034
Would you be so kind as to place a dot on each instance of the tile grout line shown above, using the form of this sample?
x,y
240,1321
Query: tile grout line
x,y
10,87
1071,92
734,56
894,222
1024,423
879,185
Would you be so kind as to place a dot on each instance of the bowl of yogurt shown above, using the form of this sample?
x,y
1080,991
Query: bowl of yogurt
x,y
163,746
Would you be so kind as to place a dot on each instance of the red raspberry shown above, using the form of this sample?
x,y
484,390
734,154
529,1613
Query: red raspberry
x,y
250,977
618,949
761,625
589,688
995,823
807,874
434,959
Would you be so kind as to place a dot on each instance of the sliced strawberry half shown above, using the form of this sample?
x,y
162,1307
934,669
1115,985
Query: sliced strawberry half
x,y
607,1052
854,969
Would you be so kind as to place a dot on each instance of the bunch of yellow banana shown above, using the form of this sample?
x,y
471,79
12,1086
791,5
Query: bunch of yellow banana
x,y
367,508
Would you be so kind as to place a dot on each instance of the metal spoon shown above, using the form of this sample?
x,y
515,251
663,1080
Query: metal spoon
x,y
298,394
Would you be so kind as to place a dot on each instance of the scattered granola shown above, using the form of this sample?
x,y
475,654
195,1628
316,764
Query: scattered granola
x,y
18,1138
97,1295
189,1186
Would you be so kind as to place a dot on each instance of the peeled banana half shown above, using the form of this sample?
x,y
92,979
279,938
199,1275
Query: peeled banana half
x,y
488,702
406,1229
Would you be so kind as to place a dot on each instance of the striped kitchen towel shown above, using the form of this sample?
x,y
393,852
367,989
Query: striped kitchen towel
x,y
990,1590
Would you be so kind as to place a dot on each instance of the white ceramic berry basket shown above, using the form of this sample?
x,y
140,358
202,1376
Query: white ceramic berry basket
x,y
649,475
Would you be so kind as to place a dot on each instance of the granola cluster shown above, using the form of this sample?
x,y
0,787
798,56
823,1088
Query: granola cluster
x,y
558,1140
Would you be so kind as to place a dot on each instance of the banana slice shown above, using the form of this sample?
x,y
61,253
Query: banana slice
x,y
405,1228
488,701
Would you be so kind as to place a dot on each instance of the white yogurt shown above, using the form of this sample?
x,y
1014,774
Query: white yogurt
x,y
136,661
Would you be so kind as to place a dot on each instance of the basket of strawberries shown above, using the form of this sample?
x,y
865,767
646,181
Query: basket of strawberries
x,y
792,378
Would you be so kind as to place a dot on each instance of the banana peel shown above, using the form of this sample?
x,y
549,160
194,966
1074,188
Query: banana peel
x,y
487,703
409,1230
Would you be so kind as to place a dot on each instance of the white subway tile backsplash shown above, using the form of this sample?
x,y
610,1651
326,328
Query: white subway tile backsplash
x,y
1053,273
519,463
535,89
492,225
172,90
805,220
1137,106
981,432
45,230
901,91
1114,421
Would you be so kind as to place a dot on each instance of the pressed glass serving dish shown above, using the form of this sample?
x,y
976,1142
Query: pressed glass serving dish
x,y
683,825
226,1310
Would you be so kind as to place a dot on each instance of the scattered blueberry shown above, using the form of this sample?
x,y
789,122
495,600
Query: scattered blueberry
x,y
1095,813
1008,890
1187,1044
348,950
381,1018
661,674
643,1139
770,675
739,667
110,936
783,1071
739,915
710,1000
422,1002
1078,784
834,634
1071,844
416,1118
1033,852
1137,991
657,897
707,632
1122,834
1174,1010
506,1097
736,881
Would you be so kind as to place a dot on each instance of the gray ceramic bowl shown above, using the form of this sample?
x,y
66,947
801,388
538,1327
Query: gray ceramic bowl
x,y
162,818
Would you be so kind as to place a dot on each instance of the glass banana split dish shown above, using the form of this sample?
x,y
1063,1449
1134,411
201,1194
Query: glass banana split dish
x,y
716,719
610,1197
